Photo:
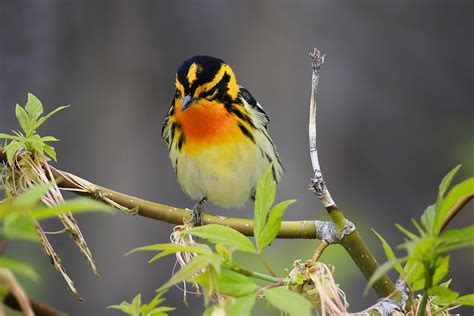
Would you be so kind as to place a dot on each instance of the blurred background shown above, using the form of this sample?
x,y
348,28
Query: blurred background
x,y
395,115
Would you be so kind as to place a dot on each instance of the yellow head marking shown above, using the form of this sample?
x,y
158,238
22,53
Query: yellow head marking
x,y
233,87
192,73
179,86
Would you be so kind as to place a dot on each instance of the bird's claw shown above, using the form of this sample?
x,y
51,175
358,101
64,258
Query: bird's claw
x,y
196,219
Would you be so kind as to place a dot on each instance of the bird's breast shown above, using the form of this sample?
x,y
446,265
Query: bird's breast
x,y
206,124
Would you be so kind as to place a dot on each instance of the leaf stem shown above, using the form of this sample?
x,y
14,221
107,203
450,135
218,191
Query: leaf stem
x,y
267,265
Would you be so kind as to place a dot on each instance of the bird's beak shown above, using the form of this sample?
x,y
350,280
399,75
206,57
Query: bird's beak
x,y
187,102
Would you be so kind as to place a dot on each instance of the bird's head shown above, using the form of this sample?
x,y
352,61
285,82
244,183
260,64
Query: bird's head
x,y
202,78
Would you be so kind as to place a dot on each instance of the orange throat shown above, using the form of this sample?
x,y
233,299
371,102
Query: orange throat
x,y
204,124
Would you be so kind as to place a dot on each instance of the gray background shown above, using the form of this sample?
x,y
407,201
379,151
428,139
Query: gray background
x,y
395,114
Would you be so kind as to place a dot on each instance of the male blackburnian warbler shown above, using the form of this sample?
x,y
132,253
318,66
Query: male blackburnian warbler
x,y
217,136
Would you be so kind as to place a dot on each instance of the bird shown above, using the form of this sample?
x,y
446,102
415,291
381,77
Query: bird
x,y
217,136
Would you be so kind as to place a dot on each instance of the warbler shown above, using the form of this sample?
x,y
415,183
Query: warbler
x,y
217,136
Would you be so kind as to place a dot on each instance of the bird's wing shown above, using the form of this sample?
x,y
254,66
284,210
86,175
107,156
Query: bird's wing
x,y
250,100
165,129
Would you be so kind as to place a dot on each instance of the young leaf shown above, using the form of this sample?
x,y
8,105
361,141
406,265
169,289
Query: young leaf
x,y
288,301
406,232
11,150
49,139
458,192
264,197
20,226
43,119
441,270
19,267
127,308
34,107
389,253
167,249
241,306
270,230
456,239
32,196
447,181
443,295
195,265
229,283
22,117
218,234
466,300
50,151
6,136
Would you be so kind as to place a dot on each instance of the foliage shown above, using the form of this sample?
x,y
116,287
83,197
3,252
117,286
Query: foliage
x,y
427,261
18,218
30,120
230,284
136,308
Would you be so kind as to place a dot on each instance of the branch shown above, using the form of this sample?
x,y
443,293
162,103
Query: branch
x,y
302,229
39,308
350,238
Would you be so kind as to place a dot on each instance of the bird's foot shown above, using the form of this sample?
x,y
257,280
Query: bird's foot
x,y
196,219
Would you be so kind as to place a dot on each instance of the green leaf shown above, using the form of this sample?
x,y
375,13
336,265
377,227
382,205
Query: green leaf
x,y
443,295
49,139
34,107
288,301
50,151
6,136
32,196
219,234
127,308
427,218
270,231
229,283
20,226
443,187
78,205
458,192
194,266
43,119
241,306
466,300
22,117
389,253
454,238
441,270
11,150
407,233
152,309
19,268
264,197
167,249
382,270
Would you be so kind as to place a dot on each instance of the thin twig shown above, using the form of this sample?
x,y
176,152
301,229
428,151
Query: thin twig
x,y
267,265
351,239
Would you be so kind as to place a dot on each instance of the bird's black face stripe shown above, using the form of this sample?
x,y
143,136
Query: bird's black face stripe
x,y
246,132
